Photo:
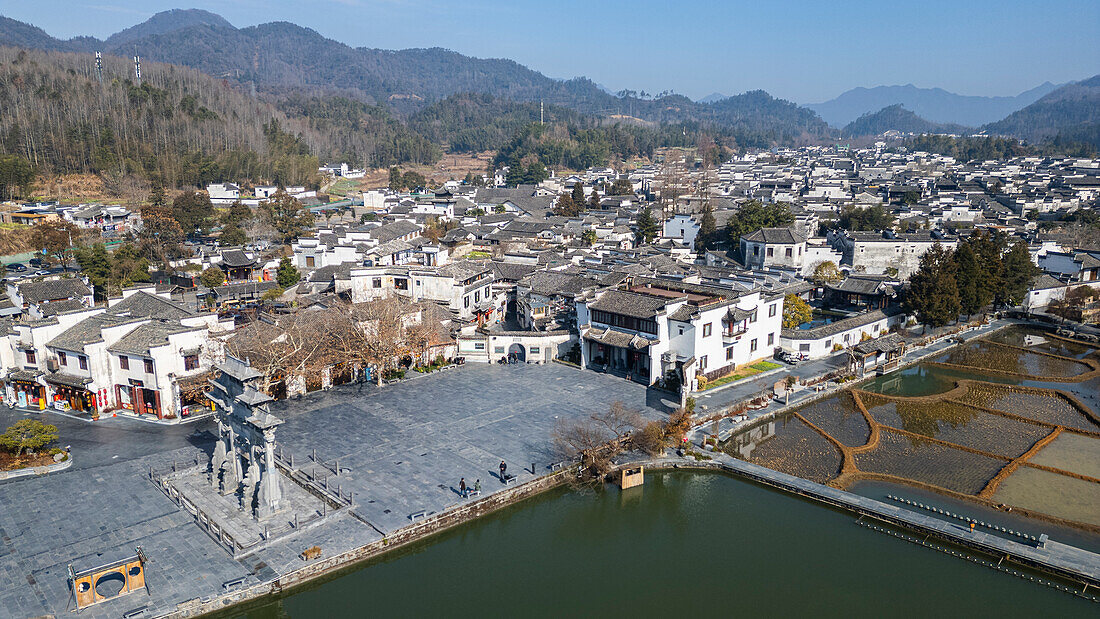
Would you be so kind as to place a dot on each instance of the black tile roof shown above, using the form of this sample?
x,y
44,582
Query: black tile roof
x,y
50,289
150,335
629,303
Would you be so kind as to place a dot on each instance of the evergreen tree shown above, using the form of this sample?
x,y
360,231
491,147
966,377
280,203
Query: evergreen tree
x,y
517,174
933,291
287,215
193,211
989,248
578,196
870,218
287,275
1019,270
157,196
753,216
594,201
648,226
708,231
15,173
565,206
212,277
968,273
232,235
397,182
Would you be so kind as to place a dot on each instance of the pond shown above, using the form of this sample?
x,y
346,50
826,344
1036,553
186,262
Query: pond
x,y
682,543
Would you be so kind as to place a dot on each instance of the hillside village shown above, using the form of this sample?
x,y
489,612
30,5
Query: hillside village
x,y
658,275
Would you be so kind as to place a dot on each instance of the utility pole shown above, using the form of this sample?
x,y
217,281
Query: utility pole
x,y
137,70
542,115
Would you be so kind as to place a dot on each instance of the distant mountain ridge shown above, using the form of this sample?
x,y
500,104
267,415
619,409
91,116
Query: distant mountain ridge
x,y
896,118
281,57
168,21
934,104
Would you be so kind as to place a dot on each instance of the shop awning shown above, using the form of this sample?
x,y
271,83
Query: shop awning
x,y
68,380
620,339
27,376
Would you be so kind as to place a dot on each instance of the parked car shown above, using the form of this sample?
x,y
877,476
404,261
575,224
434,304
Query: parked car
x,y
17,267
35,262
43,272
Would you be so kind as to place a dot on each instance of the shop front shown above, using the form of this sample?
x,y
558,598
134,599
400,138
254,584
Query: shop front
x,y
136,397
71,392
192,394
26,389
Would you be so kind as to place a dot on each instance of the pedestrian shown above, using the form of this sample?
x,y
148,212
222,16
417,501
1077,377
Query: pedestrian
x,y
462,487
477,484
503,472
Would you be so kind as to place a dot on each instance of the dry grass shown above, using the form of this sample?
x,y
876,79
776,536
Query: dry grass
x,y
451,166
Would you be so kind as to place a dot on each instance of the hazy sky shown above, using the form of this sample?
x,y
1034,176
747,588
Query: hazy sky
x,y
805,51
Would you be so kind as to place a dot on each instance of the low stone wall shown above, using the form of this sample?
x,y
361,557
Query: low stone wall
x,y
37,470
422,529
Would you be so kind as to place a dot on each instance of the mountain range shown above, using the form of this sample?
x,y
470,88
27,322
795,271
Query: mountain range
x,y
281,60
934,104
281,57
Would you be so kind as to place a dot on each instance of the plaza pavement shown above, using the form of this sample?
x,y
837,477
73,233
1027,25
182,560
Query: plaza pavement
x,y
405,447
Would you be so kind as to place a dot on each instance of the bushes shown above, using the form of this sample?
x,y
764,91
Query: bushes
x,y
651,439
27,434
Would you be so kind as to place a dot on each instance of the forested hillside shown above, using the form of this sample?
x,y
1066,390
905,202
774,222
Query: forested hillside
x,y
1068,114
473,122
281,58
180,124
896,118
985,148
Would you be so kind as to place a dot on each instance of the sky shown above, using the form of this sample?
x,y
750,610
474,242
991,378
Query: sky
x,y
803,51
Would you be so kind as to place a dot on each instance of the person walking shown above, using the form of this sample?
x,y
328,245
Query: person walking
x,y
462,487
503,472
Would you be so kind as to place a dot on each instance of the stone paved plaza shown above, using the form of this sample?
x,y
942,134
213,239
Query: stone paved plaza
x,y
401,448
408,445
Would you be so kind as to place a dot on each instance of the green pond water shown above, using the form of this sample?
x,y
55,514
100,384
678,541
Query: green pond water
x,y
683,543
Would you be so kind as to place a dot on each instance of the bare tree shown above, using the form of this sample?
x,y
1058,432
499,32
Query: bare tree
x,y
380,332
597,438
298,345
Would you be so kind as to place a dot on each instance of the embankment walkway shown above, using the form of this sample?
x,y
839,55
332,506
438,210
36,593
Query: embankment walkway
x,y
1053,557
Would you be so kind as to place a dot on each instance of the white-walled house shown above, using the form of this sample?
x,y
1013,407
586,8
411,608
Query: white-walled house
x,y
774,247
464,287
826,339
143,353
681,227
648,329
223,191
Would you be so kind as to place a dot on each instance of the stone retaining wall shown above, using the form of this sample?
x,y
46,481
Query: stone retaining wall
x,y
37,470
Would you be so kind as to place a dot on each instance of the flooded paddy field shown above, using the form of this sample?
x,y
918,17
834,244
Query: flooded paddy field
x,y
1001,442
979,354
1072,452
1051,493
1040,341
